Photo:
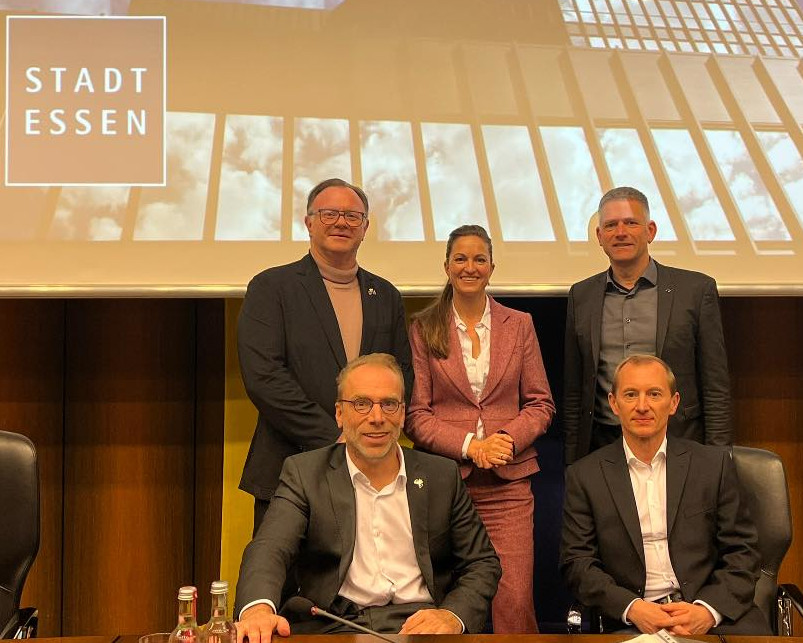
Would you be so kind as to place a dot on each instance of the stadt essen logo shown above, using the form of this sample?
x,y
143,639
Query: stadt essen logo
x,y
85,101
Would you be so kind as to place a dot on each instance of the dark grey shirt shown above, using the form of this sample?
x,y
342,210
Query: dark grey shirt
x,y
629,325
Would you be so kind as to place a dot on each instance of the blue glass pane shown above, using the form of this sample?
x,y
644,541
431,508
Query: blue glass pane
x,y
701,210
569,158
454,178
628,165
520,201
250,197
177,212
320,151
785,160
758,211
390,179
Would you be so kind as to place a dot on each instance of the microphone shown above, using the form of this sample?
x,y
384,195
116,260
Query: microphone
x,y
300,606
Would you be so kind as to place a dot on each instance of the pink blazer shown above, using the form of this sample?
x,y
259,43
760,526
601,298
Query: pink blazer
x,y
516,397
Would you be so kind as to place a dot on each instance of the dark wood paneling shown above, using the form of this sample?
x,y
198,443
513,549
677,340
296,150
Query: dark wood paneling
x,y
764,336
210,372
129,463
31,390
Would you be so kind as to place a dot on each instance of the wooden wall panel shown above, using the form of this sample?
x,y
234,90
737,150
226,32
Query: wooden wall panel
x,y
31,391
129,463
210,348
764,336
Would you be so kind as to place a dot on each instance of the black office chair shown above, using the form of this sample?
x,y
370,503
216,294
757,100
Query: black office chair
x,y
763,485
19,532
762,482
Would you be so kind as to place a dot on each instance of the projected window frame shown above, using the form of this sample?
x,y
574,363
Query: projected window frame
x,y
428,219
693,26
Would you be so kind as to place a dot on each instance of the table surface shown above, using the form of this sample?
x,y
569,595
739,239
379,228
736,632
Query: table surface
x,y
451,638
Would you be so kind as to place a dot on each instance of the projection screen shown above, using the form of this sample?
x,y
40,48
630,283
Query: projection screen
x,y
514,114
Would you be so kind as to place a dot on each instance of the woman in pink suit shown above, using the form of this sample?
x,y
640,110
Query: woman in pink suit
x,y
481,397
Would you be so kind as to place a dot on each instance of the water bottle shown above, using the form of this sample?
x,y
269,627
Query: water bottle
x,y
187,630
220,629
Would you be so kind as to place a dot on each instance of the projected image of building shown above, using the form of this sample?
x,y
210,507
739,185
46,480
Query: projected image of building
x,y
516,115
68,7
766,27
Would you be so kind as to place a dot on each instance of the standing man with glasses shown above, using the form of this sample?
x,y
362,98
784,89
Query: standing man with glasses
x,y
641,306
300,324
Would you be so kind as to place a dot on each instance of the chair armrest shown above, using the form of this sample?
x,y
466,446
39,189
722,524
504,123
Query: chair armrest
x,y
28,623
23,624
793,593
574,619
789,596
581,619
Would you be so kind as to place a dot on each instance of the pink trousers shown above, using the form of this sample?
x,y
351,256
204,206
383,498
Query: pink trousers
x,y
506,509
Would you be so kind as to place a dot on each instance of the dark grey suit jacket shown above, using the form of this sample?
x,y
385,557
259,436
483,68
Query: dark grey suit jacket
x,y
291,351
311,521
688,338
712,542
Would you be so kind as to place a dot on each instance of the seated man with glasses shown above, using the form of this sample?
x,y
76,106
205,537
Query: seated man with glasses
x,y
300,324
382,536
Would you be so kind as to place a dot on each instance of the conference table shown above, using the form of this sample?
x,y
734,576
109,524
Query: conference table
x,y
443,638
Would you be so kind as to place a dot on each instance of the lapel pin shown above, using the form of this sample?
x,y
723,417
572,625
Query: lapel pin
x,y
418,482
371,292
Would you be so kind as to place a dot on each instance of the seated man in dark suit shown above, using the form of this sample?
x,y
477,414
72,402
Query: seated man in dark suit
x,y
655,534
383,536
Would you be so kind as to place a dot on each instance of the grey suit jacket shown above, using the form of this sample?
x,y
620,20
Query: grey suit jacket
x,y
291,351
688,337
712,542
311,522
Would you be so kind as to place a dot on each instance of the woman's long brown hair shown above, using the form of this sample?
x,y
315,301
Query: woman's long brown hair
x,y
433,321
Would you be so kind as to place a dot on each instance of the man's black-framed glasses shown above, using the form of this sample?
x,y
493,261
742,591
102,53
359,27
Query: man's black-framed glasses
x,y
354,218
363,405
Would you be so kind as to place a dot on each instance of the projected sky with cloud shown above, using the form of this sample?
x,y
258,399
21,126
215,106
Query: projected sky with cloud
x,y
518,124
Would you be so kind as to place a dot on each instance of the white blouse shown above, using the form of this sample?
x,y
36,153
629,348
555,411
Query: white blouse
x,y
476,367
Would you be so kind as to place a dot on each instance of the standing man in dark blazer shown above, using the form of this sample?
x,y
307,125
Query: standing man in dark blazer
x,y
382,536
640,306
299,326
655,533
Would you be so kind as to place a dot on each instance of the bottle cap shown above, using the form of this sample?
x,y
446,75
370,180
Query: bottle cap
x,y
187,593
220,587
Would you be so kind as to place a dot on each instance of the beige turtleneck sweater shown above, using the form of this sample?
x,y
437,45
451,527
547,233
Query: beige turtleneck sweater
x,y
344,293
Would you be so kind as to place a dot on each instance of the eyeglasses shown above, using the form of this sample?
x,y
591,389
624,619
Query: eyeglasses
x,y
363,405
353,218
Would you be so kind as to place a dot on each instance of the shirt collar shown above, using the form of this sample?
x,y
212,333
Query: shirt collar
x,y
356,475
650,275
485,320
632,459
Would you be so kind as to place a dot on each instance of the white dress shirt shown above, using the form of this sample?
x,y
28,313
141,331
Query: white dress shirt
x,y
476,367
649,489
384,568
